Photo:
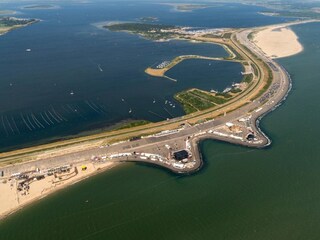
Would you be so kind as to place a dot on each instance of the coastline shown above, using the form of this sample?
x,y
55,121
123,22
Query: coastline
x,y
5,30
108,165
47,188
278,41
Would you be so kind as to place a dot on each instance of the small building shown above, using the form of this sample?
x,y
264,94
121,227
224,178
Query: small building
x,y
180,155
229,125
250,137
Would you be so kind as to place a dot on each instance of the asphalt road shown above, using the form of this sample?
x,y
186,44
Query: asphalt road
x,y
177,141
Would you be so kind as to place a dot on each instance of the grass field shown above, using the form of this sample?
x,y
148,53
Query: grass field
x,y
194,100
133,124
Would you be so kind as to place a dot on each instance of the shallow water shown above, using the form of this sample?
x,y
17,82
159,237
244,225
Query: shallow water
x,y
207,74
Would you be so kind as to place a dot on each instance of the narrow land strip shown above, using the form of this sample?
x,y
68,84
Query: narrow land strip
x,y
29,174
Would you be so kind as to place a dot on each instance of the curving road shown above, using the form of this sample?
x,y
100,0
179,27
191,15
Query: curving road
x,y
159,149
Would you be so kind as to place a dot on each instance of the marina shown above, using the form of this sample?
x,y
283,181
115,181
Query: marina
x,y
163,64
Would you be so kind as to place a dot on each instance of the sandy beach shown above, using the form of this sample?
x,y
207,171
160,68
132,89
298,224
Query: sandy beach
x,y
278,42
12,199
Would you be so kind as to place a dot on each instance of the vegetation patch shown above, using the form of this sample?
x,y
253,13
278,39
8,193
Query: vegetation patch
x,y
247,78
210,97
235,90
225,95
227,35
236,54
147,30
133,124
12,21
255,70
196,100
251,35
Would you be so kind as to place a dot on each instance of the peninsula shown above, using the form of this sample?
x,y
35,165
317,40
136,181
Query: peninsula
x,y
32,173
9,23
7,12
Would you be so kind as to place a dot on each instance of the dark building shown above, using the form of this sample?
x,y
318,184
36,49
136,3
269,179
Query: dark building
x,y
183,154
250,137
135,138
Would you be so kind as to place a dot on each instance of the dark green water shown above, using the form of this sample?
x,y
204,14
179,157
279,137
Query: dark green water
x,y
240,194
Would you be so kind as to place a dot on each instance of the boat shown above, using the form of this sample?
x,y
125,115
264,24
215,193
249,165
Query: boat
x,y
213,91
71,93
28,50
154,101
130,111
228,89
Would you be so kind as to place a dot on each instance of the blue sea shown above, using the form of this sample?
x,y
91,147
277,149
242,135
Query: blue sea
x,y
79,78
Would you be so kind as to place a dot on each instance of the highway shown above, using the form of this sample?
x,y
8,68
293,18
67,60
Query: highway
x,y
239,126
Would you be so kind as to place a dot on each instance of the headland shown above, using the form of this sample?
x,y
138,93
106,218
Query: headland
x,y
9,23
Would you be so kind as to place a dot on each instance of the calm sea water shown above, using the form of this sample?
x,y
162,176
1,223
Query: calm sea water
x,y
76,75
203,73
240,194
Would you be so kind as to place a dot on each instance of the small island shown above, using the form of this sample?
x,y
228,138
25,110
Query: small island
x,y
187,7
9,23
40,6
146,30
190,7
